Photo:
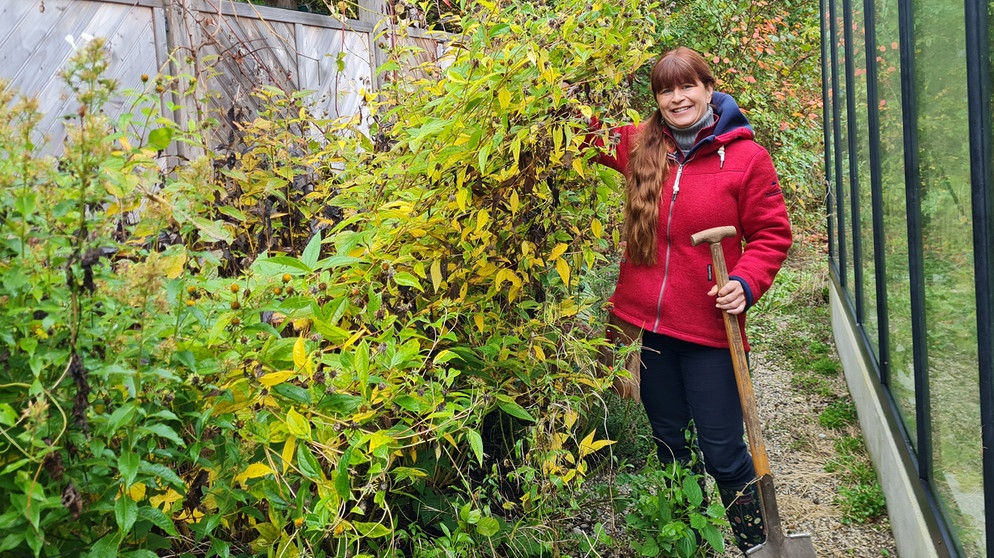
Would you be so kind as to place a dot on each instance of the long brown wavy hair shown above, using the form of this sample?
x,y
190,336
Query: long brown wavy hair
x,y
648,164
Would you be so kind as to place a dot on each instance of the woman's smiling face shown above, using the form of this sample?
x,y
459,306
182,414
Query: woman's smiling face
x,y
683,105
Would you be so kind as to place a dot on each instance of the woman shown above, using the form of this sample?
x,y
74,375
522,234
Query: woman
x,y
693,166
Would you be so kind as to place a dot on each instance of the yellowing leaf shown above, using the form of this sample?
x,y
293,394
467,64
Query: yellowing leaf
x,y
570,418
482,218
539,353
578,167
162,501
589,446
253,471
289,450
559,250
299,352
174,265
137,491
275,378
478,318
597,228
362,417
515,202
568,308
563,269
379,439
436,274
504,97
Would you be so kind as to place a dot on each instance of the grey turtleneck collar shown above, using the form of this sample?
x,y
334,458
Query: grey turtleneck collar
x,y
687,137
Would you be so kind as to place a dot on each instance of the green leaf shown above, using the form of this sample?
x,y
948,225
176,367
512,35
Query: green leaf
x,y
156,517
343,484
371,530
312,251
163,431
687,545
309,466
508,405
293,392
220,547
7,415
11,541
488,527
125,513
160,138
298,425
713,537
162,472
650,548
362,360
24,203
407,280
278,265
213,230
107,546
665,509
692,489
128,464
476,443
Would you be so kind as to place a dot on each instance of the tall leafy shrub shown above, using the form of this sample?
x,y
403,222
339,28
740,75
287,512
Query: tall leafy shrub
x,y
326,342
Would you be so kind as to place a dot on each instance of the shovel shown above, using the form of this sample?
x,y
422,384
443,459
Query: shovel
x,y
777,545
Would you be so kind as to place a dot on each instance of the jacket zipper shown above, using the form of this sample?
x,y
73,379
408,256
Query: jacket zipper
x,y
666,260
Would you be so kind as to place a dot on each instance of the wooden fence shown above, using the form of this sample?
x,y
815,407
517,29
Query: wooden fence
x,y
241,45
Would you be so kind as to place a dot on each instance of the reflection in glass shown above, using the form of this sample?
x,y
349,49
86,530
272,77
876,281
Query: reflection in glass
x,y
864,191
947,242
901,366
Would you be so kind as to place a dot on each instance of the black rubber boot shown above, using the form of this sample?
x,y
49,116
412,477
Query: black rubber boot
x,y
745,514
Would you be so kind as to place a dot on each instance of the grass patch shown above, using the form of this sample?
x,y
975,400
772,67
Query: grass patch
x,y
838,415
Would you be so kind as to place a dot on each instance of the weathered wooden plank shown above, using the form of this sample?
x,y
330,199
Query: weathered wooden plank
x,y
36,52
336,67
248,45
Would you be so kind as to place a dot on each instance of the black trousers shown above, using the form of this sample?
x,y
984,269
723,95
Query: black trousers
x,y
684,382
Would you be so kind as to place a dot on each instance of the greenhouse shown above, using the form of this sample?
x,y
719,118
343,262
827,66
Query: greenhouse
x,y
909,186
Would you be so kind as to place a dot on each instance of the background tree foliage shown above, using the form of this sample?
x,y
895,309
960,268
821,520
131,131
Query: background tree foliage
x,y
337,339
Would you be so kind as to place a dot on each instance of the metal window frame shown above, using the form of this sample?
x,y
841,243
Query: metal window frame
x,y
851,140
876,192
979,99
916,267
840,237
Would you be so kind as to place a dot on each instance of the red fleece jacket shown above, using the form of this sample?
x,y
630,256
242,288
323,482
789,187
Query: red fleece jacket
x,y
726,179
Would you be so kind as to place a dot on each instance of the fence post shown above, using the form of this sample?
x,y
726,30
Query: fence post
x,y
181,39
374,12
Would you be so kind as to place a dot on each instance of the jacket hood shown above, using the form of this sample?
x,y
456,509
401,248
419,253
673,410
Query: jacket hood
x,y
730,117
731,124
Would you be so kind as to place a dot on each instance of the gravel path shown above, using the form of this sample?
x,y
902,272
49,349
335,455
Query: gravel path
x,y
805,491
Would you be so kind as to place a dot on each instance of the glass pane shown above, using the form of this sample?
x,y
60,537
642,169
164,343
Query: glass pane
x,y
843,192
901,379
943,125
864,192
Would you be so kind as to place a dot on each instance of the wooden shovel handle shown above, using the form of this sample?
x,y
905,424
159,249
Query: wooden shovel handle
x,y
747,397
